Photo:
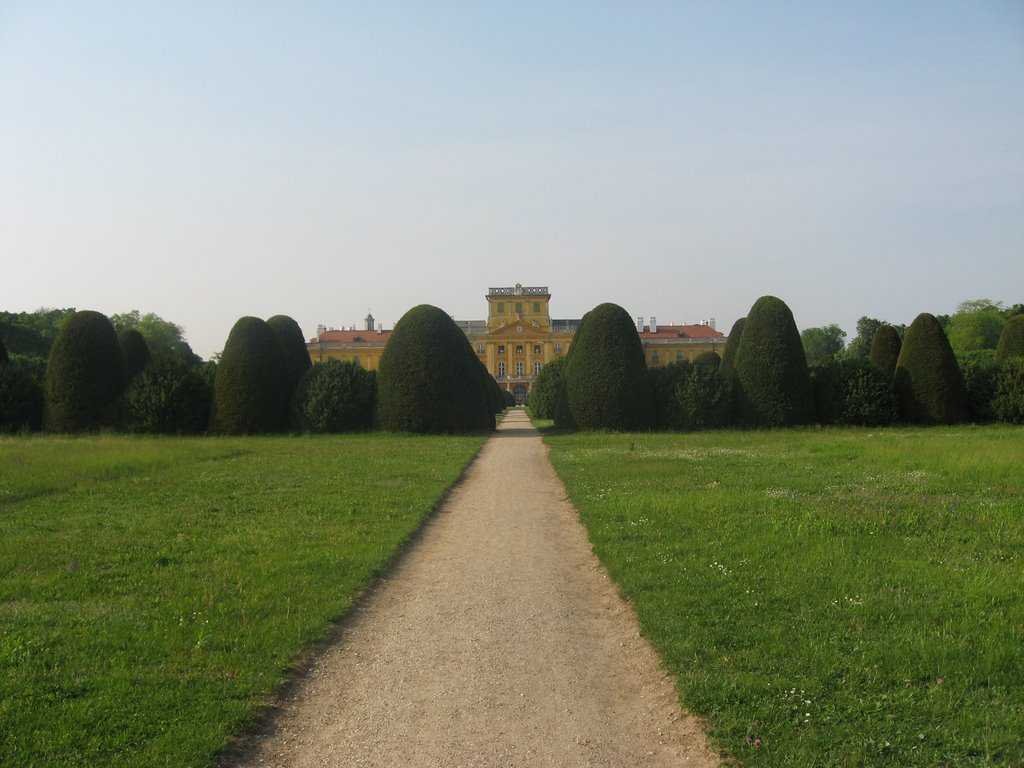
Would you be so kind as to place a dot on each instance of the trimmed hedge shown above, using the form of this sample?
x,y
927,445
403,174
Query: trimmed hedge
x,y
771,380
293,344
336,396
168,398
135,352
853,391
929,386
544,393
250,393
1011,340
84,375
429,379
1008,403
21,400
606,376
979,370
885,349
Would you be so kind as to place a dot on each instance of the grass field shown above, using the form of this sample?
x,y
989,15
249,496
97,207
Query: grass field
x,y
153,590
824,597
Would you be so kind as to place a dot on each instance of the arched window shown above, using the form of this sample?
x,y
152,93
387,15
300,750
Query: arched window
x,y
501,369
679,355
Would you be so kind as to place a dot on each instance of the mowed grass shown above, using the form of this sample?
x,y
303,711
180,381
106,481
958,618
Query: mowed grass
x,y
824,597
153,591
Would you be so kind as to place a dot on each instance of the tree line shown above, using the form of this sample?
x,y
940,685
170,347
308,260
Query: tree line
x,y
96,377
763,379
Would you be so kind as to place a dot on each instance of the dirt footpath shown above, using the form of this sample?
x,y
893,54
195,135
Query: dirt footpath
x,y
497,640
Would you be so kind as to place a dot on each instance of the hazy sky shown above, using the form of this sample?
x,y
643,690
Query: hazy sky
x,y
208,160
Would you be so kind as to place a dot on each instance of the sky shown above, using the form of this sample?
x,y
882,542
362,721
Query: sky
x,y
215,159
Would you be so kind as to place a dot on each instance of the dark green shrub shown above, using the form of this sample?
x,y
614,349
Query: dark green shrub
x,y
606,376
852,392
704,398
885,348
773,387
84,375
665,381
336,396
544,393
731,345
429,379
709,359
293,344
250,393
979,370
169,397
1011,340
135,353
3,353
929,386
1008,403
21,400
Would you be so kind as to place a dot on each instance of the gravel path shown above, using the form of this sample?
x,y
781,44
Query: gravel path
x,y
497,640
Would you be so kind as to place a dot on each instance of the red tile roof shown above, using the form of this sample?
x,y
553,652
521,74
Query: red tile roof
x,y
352,337
666,332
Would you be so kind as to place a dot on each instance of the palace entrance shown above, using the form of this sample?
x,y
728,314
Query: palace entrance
x,y
519,390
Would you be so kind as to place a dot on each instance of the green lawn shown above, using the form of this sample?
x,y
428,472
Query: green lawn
x,y
824,597
154,590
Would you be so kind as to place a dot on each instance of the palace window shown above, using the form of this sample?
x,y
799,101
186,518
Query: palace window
x,y
356,361
501,370
480,348
679,355
501,349
536,307
519,349
519,368
519,307
654,357
536,349
536,368
558,347
501,307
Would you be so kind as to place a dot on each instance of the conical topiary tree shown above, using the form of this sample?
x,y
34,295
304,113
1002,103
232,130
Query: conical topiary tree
x,y
544,392
135,352
429,378
929,385
731,345
885,348
296,356
250,387
773,387
84,375
1011,340
606,376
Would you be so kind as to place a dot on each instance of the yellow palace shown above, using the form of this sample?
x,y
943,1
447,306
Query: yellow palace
x,y
519,338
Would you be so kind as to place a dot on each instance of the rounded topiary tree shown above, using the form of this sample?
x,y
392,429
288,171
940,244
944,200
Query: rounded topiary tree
x,y
168,397
732,343
293,344
84,375
929,385
709,359
135,352
250,392
545,389
429,378
606,376
1011,340
773,387
336,396
885,348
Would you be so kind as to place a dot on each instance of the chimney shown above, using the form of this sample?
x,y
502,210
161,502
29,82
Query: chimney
x,y
320,329
711,322
380,327
654,324
640,325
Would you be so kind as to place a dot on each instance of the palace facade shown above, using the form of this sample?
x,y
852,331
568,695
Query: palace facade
x,y
519,338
